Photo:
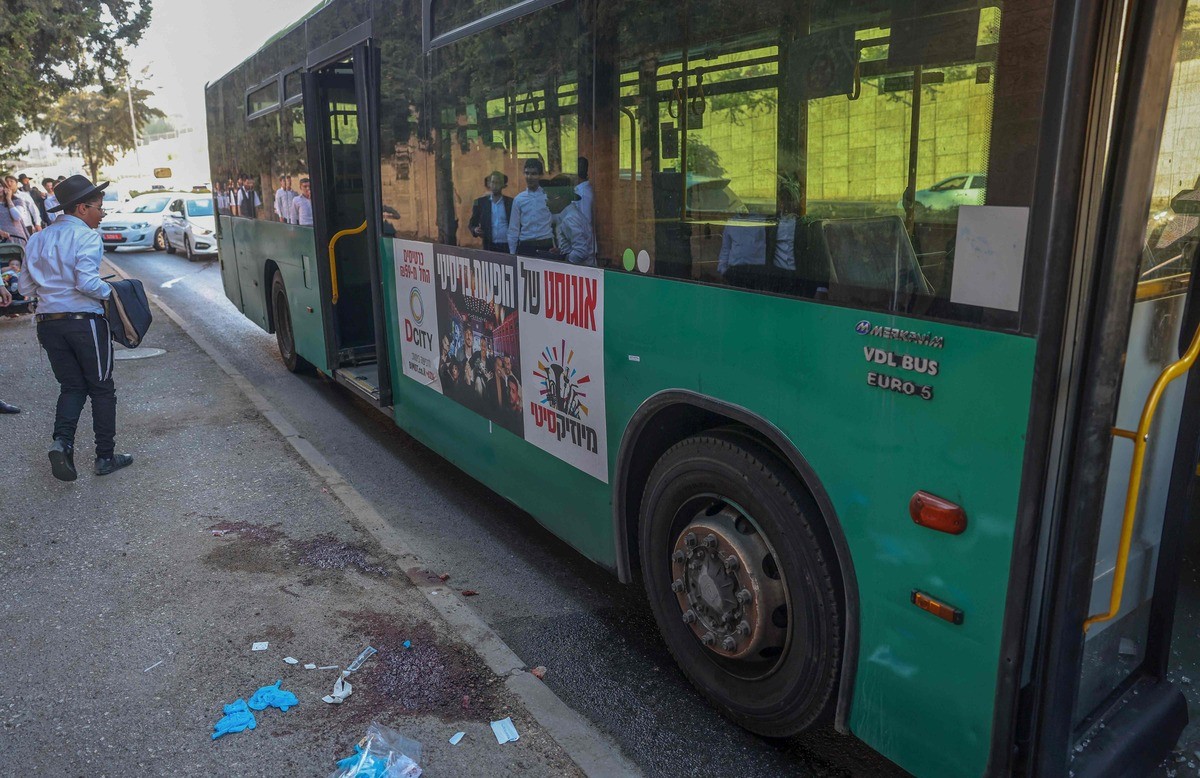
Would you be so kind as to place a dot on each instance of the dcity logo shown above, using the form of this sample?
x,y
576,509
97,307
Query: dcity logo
x,y
416,305
863,327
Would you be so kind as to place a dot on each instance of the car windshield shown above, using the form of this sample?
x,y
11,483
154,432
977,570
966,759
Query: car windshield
x,y
148,204
199,207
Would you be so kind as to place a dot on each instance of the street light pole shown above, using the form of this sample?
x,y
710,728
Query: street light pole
x,y
133,125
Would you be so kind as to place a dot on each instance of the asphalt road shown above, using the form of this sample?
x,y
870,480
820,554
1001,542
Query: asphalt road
x,y
555,608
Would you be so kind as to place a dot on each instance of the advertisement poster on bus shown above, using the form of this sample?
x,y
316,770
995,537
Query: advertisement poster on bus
x,y
479,350
562,342
418,312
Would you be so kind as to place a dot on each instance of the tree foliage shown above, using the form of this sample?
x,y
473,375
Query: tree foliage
x,y
53,46
96,124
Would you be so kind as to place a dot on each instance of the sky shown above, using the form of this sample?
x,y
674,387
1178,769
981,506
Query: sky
x,y
191,42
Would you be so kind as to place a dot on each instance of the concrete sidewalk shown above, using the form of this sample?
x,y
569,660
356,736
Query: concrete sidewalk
x,y
127,623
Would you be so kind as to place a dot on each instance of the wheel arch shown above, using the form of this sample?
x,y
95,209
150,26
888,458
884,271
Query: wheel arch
x,y
671,415
270,268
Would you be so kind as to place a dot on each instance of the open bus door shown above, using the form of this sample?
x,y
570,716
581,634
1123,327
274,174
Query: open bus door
x,y
340,110
1102,700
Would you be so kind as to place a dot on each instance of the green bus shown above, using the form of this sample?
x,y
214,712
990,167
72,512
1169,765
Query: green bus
x,y
858,332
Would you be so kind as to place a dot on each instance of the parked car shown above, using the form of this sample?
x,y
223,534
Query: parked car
x,y
137,225
190,225
940,202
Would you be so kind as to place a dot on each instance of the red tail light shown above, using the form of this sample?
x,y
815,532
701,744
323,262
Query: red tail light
x,y
933,512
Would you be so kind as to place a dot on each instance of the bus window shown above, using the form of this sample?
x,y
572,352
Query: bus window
x,y
788,151
513,129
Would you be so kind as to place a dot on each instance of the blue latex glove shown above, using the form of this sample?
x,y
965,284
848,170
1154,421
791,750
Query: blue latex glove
x,y
268,696
237,718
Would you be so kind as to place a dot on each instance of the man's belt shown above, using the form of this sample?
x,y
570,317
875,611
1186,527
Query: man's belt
x,y
54,316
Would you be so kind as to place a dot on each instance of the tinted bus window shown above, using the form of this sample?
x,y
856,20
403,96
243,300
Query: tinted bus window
x,y
839,153
263,98
513,132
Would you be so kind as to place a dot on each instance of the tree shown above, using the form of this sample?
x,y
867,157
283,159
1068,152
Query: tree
x,y
96,125
53,46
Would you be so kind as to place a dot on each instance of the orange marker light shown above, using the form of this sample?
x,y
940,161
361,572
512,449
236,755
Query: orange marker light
x,y
931,511
936,607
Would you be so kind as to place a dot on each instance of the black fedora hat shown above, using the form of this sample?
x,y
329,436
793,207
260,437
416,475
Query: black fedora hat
x,y
74,189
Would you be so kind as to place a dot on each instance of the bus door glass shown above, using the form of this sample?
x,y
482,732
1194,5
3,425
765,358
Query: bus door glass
x,y
1162,327
339,194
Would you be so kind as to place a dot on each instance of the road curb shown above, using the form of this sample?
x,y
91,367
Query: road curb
x,y
590,749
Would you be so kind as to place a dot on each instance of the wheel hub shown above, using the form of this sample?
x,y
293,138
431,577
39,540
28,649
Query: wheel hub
x,y
727,584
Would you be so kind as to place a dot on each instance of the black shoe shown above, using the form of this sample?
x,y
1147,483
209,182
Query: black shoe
x,y
6,408
112,464
62,461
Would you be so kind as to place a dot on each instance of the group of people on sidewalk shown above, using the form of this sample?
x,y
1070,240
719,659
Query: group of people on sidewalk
x,y
62,270
26,209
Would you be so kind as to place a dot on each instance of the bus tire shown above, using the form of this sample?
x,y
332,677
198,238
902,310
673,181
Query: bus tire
x,y
742,582
284,334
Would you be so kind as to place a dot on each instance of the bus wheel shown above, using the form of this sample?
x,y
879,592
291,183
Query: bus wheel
x,y
284,335
742,583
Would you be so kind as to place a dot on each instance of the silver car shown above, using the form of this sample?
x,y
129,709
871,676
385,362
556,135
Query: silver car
x,y
189,226
940,202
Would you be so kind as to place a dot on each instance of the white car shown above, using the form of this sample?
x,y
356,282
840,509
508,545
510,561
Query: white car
x,y
138,223
940,202
189,225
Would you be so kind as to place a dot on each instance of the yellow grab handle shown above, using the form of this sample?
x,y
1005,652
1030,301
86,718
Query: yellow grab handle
x,y
332,256
1141,439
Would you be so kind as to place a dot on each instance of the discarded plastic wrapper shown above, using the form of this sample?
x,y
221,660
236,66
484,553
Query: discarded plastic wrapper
x,y
291,660
310,666
364,656
260,646
407,644
382,753
505,731
273,696
327,667
237,718
341,690
458,736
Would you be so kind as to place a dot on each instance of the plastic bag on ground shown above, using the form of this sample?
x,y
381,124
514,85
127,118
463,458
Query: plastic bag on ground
x,y
382,753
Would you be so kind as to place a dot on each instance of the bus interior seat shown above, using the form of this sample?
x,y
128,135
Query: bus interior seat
x,y
871,262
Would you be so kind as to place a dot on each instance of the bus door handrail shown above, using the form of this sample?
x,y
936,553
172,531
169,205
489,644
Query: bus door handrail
x,y
333,257
1140,438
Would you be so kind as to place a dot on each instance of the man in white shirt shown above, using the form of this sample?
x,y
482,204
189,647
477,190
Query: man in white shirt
x,y
302,205
587,201
283,199
62,269
743,242
572,234
529,227
248,200
51,201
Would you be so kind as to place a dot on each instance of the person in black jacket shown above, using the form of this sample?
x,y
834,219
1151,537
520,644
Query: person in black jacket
x,y
490,214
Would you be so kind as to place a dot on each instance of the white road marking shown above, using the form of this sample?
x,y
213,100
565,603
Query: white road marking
x,y
172,282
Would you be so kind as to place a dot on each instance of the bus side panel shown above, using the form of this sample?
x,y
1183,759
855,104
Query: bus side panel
x,y
573,505
924,688
228,257
293,250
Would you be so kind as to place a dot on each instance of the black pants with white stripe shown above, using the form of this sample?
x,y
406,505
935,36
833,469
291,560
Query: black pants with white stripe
x,y
81,355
